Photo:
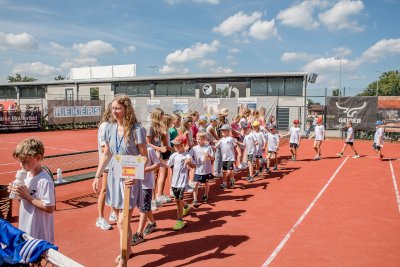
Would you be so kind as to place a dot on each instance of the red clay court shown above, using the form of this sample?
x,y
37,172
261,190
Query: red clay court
x,y
332,212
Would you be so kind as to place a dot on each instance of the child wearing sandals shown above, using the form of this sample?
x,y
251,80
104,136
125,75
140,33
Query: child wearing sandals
x,y
181,162
147,187
202,155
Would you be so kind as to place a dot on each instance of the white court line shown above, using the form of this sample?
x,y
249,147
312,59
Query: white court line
x,y
11,163
302,217
396,189
8,172
49,147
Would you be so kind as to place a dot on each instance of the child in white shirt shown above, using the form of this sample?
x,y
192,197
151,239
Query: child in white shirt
x,y
294,141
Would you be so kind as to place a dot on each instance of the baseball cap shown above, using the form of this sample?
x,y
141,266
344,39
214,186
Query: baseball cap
x,y
179,140
256,123
213,118
203,118
225,127
272,126
379,122
319,119
296,121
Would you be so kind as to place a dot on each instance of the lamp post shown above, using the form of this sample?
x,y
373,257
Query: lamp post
x,y
340,74
153,67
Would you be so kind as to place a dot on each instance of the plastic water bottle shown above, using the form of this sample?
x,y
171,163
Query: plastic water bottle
x,y
59,176
19,180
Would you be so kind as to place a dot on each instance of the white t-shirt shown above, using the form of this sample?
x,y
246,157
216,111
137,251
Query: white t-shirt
x,y
260,137
197,153
272,142
32,220
249,142
378,135
319,132
294,135
350,135
148,181
101,139
180,172
227,145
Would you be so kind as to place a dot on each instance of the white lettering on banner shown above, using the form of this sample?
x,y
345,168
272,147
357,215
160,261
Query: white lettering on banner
x,y
351,120
77,111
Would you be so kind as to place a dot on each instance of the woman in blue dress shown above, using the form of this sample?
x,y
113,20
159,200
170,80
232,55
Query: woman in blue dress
x,y
125,136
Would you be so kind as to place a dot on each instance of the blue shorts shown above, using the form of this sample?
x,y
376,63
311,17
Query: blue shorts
x,y
376,147
147,196
202,178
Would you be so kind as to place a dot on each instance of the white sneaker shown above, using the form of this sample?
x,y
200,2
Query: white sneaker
x,y
153,205
356,156
158,202
113,217
235,169
317,157
190,188
166,199
217,174
103,224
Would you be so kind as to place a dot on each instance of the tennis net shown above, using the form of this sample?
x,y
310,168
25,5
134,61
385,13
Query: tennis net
x,y
72,162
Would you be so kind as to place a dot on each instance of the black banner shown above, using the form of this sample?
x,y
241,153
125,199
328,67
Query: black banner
x,y
361,111
18,121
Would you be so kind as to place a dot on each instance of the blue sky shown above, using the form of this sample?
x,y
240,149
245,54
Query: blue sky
x,y
43,39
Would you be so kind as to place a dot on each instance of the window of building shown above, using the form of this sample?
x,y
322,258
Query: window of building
x,y
188,88
32,91
94,93
259,87
276,86
175,88
294,86
133,89
8,92
161,89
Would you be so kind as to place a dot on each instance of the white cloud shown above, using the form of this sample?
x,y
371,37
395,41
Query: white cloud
x,y
23,41
129,49
296,56
36,69
174,70
236,23
58,49
331,65
79,62
339,16
221,70
234,50
263,30
94,48
382,48
342,51
207,63
300,15
197,51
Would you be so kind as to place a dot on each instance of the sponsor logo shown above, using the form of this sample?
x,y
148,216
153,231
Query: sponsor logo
x,y
350,112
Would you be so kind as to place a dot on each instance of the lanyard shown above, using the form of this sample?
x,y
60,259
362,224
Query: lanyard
x,y
118,143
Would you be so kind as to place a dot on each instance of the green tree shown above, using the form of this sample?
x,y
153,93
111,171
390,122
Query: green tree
x,y
19,78
59,78
336,92
388,85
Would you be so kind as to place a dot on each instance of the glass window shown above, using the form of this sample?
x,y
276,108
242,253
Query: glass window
x,y
144,89
132,89
188,88
258,87
276,86
161,89
174,88
8,92
294,86
32,91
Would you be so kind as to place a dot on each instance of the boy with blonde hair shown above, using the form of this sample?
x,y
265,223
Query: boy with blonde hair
x,y
37,194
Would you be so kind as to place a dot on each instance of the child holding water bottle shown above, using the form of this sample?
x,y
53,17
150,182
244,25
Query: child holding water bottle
x,y
36,193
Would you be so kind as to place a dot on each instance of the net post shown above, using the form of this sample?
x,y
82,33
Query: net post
x,y
125,226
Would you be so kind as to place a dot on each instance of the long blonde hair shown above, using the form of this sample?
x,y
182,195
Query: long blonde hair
x,y
107,115
129,116
166,122
156,117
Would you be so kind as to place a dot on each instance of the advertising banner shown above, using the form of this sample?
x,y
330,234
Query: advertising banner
x,y
17,121
361,111
180,106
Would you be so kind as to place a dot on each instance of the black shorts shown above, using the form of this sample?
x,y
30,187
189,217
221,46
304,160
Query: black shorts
x,y
166,155
227,165
202,178
294,145
272,152
350,143
376,147
177,192
147,196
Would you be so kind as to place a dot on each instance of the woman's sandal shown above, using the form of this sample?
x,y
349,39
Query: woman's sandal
x,y
117,259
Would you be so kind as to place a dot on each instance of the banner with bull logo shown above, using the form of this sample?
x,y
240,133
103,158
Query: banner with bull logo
x,y
361,111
